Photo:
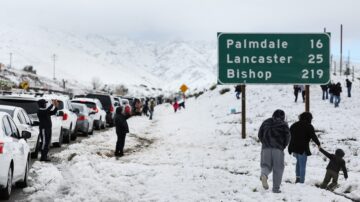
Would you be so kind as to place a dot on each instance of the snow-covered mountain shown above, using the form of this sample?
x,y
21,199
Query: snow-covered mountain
x,y
112,59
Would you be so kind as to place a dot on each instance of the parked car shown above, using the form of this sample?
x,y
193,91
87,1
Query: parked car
x,y
85,122
30,105
95,106
14,156
108,103
68,117
24,123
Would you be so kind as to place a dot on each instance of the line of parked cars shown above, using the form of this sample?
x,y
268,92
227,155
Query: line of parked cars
x,y
19,129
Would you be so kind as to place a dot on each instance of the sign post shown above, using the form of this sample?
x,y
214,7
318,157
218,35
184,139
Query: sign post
x,y
273,58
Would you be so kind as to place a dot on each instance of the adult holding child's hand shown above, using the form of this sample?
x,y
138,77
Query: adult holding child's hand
x,y
301,134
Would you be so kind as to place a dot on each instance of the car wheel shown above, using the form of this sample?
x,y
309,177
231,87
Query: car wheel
x,y
58,144
74,136
66,135
92,130
6,191
98,124
35,154
24,182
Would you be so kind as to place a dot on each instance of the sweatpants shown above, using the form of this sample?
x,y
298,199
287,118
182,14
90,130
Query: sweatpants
x,y
45,135
120,143
272,160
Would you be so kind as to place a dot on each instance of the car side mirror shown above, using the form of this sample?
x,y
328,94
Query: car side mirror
x,y
60,113
26,134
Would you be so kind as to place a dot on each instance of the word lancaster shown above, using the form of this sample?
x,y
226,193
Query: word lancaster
x,y
259,59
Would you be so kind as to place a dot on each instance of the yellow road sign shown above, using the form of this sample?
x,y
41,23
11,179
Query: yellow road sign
x,y
184,88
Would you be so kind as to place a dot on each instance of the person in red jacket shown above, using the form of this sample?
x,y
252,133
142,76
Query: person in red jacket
x,y
176,105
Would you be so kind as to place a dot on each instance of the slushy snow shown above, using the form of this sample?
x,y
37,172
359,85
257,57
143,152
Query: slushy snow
x,y
198,154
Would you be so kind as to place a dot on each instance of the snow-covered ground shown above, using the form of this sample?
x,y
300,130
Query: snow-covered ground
x,y
197,154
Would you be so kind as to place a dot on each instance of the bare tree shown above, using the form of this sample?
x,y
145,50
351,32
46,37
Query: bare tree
x,y
95,83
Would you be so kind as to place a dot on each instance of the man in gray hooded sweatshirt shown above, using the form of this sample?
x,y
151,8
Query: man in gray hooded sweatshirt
x,y
274,135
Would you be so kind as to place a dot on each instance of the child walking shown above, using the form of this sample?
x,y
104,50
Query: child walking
x,y
336,164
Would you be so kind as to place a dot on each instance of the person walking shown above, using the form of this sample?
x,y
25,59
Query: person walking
x,y
336,164
325,93
337,92
348,86
121,129
237,91
44,114
331,92
274,135
302,132
176,105
296,91
302,88
151,108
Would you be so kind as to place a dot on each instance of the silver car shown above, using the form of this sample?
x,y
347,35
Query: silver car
x,y
85,122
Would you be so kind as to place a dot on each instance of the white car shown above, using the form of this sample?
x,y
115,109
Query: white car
x,y
23,122
68,117
14,156
95,106
30,105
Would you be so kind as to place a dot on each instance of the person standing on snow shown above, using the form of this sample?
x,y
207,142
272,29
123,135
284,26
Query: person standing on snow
x,y
44,114
274,135
325,94
176,105
121,129
151,107
296,91
238,91
302,132
348,86
337,92
302,88
331,92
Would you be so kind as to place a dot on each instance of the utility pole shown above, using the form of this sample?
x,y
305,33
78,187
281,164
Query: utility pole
x,y
331,61
353,73
341,42
54,59
335,68
10,64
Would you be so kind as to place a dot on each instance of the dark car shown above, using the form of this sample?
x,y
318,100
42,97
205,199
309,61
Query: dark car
x,y
108,103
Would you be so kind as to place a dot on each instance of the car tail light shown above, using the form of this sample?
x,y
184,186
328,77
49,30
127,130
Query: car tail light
x,y
1,147
111,108
95,109
81,118
65,116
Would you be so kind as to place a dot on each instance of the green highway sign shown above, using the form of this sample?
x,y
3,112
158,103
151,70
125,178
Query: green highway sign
x,y
271,58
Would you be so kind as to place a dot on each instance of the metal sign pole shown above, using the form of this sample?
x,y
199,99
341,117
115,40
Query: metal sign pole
x,y
307,98
243,111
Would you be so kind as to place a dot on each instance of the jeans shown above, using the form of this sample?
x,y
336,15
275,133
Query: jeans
x,y
300,166
238,95
331,98
337,100
325,95
349,91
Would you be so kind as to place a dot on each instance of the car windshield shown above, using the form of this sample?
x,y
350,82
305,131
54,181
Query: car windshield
x,y
30,106
88,104
11,112
79,107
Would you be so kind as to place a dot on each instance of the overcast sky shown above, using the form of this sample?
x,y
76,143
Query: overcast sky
x,y
191,19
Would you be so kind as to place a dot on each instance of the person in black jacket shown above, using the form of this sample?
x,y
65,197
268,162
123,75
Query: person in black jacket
x,y
121,129
348,86
336,164
337,92
44,114
301,134
325,93
238,91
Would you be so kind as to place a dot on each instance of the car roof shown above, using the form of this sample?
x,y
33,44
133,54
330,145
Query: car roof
x,y
58,97
3,114
20,97
78,104
9,107
86,99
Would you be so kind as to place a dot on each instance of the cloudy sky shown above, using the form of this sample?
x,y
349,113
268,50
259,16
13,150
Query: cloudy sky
x,y
191,19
